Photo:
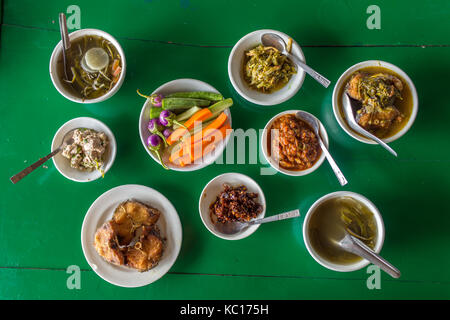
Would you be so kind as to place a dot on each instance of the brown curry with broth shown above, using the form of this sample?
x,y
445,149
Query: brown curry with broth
x,y
395,106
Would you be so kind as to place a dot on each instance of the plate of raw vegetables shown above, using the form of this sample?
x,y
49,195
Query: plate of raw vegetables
x,y
185,124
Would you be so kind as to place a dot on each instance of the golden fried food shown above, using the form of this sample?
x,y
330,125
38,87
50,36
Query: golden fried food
x,y
130,215
107,244
131,237
146,253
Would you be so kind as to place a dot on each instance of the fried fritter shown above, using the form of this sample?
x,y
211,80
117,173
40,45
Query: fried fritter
x,y
146,253
107,244
131,237
130,215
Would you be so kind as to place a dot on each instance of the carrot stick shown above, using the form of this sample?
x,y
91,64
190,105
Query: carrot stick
x,y
216,124
205,146
204,134
200,115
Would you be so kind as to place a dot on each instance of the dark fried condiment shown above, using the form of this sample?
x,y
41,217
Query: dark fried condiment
x,y
294,145
235,204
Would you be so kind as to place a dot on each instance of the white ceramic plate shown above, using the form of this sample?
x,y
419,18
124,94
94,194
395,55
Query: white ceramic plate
x,y
178,86
212,190
235,63
274,164
102,210
342,81
63,164
56,77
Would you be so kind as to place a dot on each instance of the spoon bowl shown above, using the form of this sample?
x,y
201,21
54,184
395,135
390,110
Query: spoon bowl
x,y
353,245
351,108
274,40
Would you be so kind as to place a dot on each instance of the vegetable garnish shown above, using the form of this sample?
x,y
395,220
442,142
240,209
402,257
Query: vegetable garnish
x,y
202,115
167,119
154,144
155,127
266,69
194,121
197,95
155,99
183,103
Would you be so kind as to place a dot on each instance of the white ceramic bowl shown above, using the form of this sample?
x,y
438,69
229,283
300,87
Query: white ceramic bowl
x,y
235,65
212,190
180,85
63,164
342,81
274,164
56,78
339,267
102,210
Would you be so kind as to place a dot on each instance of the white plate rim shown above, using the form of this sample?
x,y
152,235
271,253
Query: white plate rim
x,y
323,134
112,147
290,93
368,63
191,167
250,230
177,232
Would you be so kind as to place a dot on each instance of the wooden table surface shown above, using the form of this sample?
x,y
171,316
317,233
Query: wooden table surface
x,y
41,216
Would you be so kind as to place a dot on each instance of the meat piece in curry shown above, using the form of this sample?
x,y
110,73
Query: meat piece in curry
x,y
378,93
294,145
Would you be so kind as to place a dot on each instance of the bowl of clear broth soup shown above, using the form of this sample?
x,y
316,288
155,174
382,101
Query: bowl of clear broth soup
x,y
327,221
95,66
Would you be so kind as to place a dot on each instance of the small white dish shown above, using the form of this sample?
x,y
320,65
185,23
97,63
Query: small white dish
x,y
235,70
337,99
62,164
102,210
56,78
274,164
180,85
340,267
213,189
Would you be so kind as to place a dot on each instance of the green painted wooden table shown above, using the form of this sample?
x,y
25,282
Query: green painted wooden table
x,y
41,217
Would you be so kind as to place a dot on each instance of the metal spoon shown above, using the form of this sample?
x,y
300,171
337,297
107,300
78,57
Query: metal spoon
x,y
274,40
68,139
65,41
234,227
314,123
350,107
353,245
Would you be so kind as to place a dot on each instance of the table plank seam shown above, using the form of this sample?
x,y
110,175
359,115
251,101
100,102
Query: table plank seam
x,y
248,275
231,46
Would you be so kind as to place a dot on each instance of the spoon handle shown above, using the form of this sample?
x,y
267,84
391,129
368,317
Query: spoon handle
x,y
319,78
281,216
64,32
360,249
339,175
65,41
22,174
380,142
